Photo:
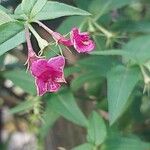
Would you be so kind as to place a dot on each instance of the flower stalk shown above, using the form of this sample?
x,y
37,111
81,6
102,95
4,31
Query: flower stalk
x,y
42,43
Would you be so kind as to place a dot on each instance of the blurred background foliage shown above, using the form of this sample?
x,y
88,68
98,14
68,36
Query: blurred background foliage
x,y
78,114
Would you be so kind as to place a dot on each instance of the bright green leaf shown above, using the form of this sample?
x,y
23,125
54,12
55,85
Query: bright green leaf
x,y
10,29
12,34
120,82
37,7
64,103
4,9
54,10
96,130
27,6
12,42
4,17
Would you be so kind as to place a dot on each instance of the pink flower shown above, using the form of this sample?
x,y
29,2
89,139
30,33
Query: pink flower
x,y
81,41
48,74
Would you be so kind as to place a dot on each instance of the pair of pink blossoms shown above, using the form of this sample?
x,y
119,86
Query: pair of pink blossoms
x,y
49,74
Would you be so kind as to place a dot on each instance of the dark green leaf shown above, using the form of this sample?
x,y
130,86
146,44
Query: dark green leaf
x,y
49,117
100,7
79,81
125,143
70,22
139,49
86,146
96,130
121,82
64,103
132,26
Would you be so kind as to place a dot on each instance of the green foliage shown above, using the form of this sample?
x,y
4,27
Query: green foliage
x,y
23,107
4,17
12,35
64,104
109,79
58,10
22,79
101,7
85,146
96,129
121,82
124,143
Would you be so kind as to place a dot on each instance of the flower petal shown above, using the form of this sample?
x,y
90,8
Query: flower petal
x,y
81,41
57,62
84,48
41,87
53,86
38,67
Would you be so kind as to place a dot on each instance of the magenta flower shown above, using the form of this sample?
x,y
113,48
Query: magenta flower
x,y
81,41
48,74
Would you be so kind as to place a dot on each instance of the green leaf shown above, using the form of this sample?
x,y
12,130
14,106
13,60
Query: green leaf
x,y
4,18
86,146
64,103
37,7
12,42
100,7
139,49
22,79
4,9
126,143
97,131
132,26
96,64
22,107
54,10
83,78
27,6
93,68
12,34
84,4
120,82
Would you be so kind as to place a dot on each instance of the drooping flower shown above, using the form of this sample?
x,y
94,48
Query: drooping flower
x,y
81,41
48,74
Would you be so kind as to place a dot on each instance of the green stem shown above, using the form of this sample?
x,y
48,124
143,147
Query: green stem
x,y
103,30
